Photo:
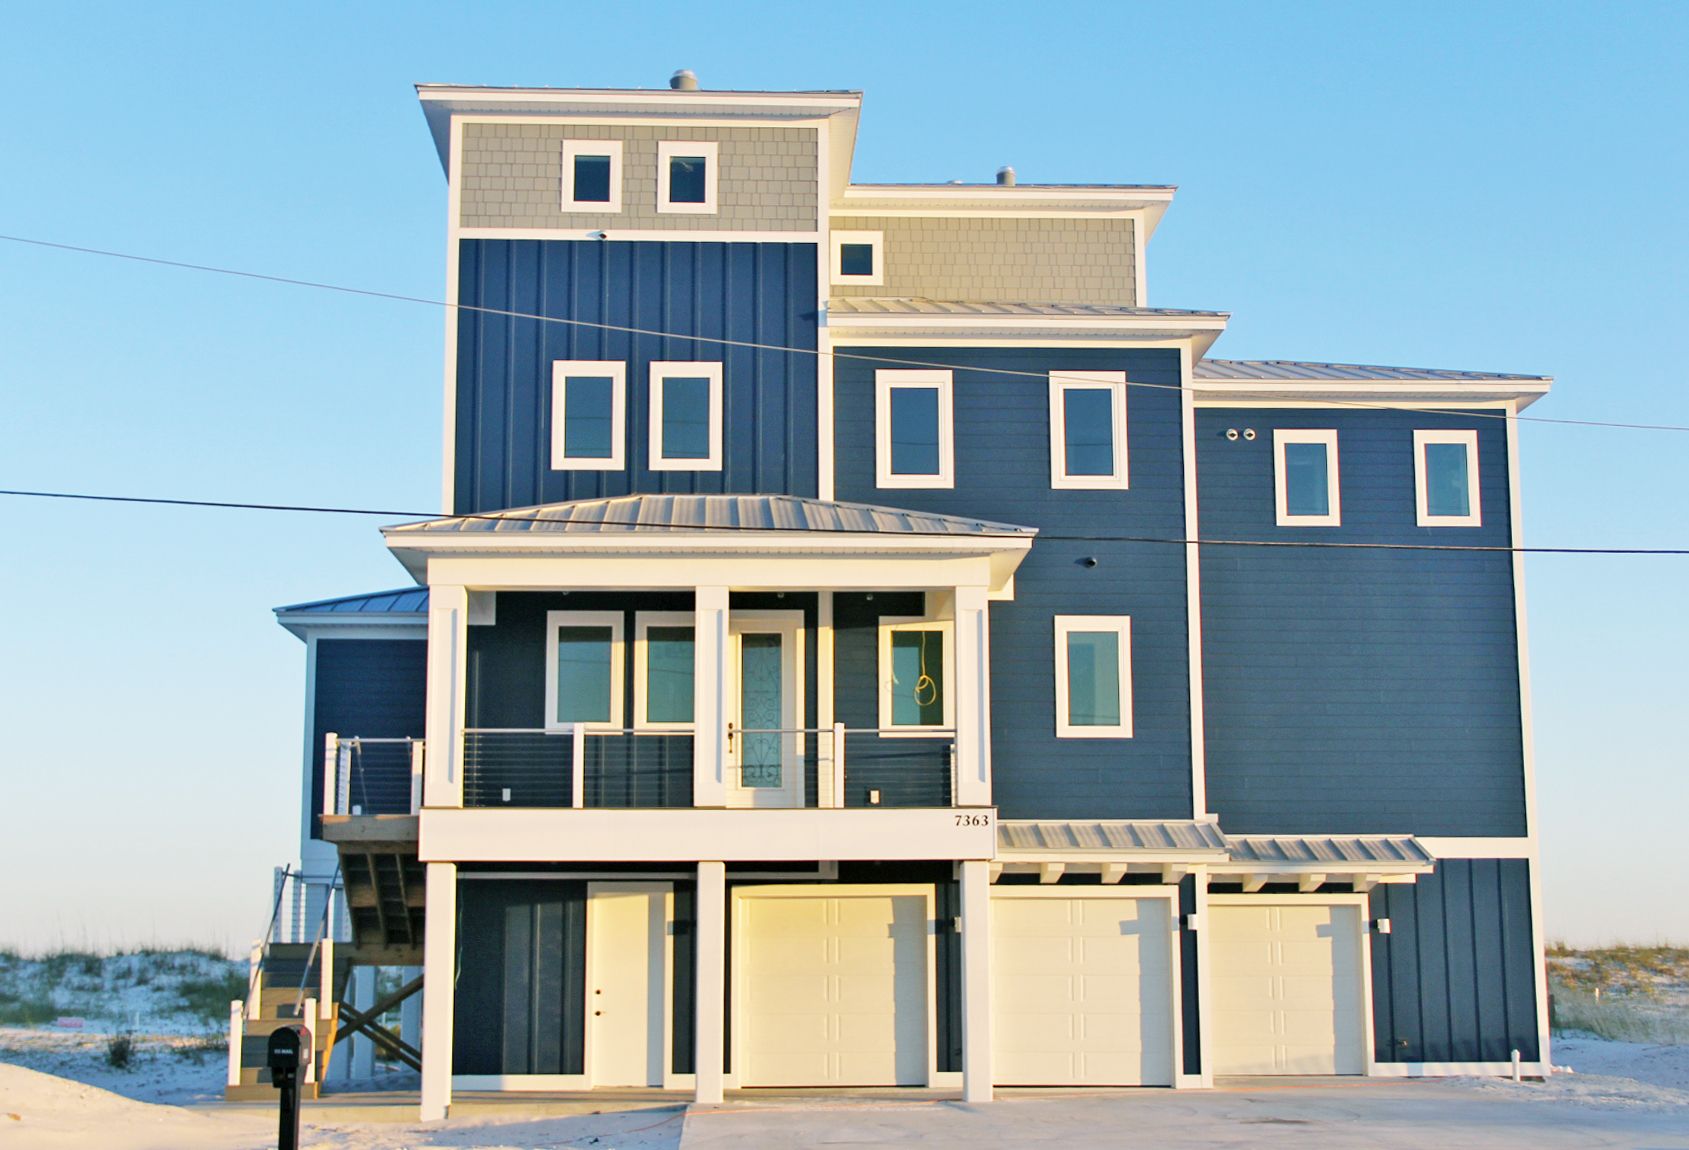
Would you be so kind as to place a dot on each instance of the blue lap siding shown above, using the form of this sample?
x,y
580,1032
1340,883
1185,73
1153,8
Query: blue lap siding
x,y
1358,691
1002,469
365,688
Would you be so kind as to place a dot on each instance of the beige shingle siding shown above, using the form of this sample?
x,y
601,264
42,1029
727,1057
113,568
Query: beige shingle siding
x,y
1035,259
512,177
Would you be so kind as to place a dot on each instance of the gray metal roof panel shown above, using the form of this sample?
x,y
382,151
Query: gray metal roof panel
x,y
405,601
918,305
1125,836
1295,371
1348,851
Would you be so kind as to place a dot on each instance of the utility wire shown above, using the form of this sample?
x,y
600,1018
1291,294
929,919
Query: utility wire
x,y
753,345
504,517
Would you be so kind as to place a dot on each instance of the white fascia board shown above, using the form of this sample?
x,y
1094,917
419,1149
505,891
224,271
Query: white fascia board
x,y
811,102
1146,855
991,335
350,626
1123,195
1161,324
1234,392
456,834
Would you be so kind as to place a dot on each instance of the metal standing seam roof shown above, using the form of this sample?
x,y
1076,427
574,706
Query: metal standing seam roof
x,y
917,305
1347,851
1146,836
405,601
634,514
1295,371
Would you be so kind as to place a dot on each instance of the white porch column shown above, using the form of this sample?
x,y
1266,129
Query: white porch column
x,y
973,698
976,981
439,956
448,640
710,1025
709,698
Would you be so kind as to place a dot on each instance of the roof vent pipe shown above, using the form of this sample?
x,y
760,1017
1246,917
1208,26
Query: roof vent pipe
x,y
684,81
1005,177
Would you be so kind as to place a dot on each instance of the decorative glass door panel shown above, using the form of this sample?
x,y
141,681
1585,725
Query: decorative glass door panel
x,y
765,751
761,706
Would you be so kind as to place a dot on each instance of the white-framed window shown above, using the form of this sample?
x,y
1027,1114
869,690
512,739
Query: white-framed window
x,y
1093,676
663,670
685,416
687,176
1445,478
1305,490
859,258
588,415
917,673
592,175
583,669
914,429
1088,429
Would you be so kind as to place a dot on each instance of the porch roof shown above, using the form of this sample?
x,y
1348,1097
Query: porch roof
x,y
1195,839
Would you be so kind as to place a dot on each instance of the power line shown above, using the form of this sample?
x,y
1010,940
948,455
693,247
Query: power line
x,y
754,345
231,505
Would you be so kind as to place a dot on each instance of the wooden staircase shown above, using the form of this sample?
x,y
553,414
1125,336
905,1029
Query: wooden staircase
x,y
285,966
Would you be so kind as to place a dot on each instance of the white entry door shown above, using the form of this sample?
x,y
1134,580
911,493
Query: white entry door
x,y
627,962
833,990
765,751
1082,991
1287,989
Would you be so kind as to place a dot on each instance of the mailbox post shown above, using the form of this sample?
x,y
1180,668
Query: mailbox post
x,y
288,1053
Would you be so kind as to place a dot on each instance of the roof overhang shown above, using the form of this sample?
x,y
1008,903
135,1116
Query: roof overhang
x,y
1151,200
1201,329
1309,861
1454,394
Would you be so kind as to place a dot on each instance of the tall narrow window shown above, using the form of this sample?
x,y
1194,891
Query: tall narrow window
x,y
592,175
1305,477
914,429
583,671
686,407
1093,676
1088,429
687,176
858,258
917,666
1445,470
588,413
663,670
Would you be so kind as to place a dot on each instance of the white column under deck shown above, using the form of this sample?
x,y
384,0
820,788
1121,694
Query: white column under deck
x,y
448,657
973,698
976,981
710,1024
439,956
709,698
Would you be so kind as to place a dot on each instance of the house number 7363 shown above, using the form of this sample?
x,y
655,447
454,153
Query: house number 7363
x,y
973,820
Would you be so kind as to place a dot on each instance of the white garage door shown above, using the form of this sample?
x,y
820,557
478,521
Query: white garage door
x,y
835,991
1082,991
1287,989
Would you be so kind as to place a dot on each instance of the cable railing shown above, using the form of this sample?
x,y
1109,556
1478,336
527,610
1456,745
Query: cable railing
x,y
576,767
364,776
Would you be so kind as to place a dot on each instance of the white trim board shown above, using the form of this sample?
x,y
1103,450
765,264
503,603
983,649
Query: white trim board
x,y
1466,439
1114,385
1121,627
889,380
1284,437
660,372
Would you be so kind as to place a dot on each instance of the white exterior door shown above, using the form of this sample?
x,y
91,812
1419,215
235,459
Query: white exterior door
x,y
1082,991
765,752
833,990
627,934
1287,989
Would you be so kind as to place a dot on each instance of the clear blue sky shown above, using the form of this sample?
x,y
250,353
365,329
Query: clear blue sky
x,y
1475,186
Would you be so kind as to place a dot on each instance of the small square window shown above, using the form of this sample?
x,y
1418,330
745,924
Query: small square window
x,y
858,258
914,429
1445,471
1305,487
1088,429
1093,676
663,670
686,405
592,175
583,670
917,666
687,176
588,413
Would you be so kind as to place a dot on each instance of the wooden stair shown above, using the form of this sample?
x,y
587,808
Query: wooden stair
x,y
285,966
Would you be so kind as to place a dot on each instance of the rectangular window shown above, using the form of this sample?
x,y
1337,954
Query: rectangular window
x,y
686,407
917,666
1445,474
858,258
914,429
663,670
583,670
687,176
588,412
1088,429
1305,477
1093,676
592,175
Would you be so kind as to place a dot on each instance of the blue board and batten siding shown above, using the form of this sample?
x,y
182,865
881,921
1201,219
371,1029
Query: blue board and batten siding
x,y
365,688
751,293
1002,470
1363,691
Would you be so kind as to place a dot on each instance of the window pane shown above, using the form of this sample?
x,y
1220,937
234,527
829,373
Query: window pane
x,y
1447,486
762,710
686,179
856,259
583,674
917,678
587,404
592,179
1305,484
914,431
686,418
1093,678
1088,430
668,675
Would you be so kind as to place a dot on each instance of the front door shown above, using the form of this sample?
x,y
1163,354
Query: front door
x,y
627,932
765,750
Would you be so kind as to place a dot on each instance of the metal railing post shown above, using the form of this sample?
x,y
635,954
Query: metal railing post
x,y
237,1031
331,766
343,792
255,980
417,763
577,767
309,1018
837,798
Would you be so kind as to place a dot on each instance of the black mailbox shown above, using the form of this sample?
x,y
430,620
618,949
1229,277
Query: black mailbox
x,y
286,1054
